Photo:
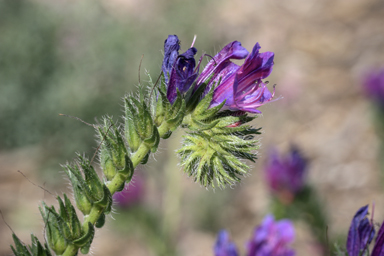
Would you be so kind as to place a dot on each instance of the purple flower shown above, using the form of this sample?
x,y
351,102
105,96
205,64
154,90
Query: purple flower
x,y
240,86
171,51
272,238
361,233
286,174
182,74
132,194
224,246
373,85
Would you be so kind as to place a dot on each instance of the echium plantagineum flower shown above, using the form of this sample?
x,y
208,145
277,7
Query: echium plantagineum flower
x,y
361,233
286,174
271,238
373,86
241,87
224,246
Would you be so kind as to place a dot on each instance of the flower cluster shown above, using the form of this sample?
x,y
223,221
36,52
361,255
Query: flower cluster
x,y
286,175
271,238
361,234
241,87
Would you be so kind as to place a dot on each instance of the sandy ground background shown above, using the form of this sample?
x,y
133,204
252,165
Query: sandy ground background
x,y
323,49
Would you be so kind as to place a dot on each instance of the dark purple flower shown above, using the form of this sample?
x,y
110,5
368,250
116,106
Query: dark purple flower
x,y
224,246
240,86
373,85
361,233
183,74
171,51
286,174
272,238
132,194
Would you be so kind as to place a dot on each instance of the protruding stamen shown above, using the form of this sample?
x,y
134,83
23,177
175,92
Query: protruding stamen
x,y
194,39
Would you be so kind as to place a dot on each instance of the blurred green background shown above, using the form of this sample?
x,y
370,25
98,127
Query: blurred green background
x,y
81,57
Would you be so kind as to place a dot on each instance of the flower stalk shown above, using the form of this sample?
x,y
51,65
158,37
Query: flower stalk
x,y
218,139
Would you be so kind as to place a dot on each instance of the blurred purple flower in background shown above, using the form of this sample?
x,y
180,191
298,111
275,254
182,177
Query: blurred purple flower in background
x,y
373,85
272,238
224,246
361,233
286,175
132,194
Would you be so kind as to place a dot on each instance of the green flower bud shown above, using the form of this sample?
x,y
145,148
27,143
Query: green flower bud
x,y
54,234
113,149
80,190
130,132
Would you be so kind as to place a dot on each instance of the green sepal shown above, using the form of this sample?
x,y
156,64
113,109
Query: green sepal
x,y
100,221
174,123
145,159
193,97
154,140
196,125
167,135
131,135
86,238
92,179
204,104
53,229
83,202
208,113
85,249
127,172
37,249
73,221
106,198
143,122
62,225
159,110
21,249
121,188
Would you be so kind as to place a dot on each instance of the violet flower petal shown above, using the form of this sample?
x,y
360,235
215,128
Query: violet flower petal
x,y
232,50
182,75
360,233
171,51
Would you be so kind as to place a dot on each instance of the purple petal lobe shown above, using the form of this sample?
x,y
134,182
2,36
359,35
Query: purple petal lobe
x,y
171,51
232,50
360,233
243,89
182,75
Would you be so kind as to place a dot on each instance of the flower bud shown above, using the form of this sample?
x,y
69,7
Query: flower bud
x,y
53,233
83,202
